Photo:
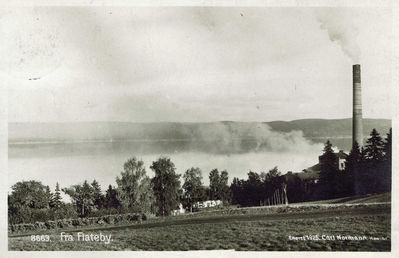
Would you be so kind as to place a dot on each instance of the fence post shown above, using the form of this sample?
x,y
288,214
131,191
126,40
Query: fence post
x,y
279,196
285,193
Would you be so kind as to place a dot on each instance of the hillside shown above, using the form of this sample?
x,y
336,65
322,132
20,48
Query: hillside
x,y
330,127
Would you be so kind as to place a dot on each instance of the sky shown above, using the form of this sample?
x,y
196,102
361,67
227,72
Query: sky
x,y
193,64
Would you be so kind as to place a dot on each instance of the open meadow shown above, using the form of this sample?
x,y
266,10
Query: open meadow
x,y
341,228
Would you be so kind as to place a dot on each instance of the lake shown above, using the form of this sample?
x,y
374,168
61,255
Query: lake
x,y
73,162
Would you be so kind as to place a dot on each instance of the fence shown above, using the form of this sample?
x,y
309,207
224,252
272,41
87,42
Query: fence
x,y
279,197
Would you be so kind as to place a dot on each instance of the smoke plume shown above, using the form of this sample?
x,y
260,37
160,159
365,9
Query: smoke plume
x,y
226,137
341,28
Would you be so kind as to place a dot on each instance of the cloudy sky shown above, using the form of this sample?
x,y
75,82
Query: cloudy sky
x,y
193,63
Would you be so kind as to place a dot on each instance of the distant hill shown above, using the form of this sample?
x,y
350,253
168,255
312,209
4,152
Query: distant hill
x,y
330,127
339,131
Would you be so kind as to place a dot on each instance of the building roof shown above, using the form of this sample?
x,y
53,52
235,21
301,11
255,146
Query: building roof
x,y
313,171
341,154
310,172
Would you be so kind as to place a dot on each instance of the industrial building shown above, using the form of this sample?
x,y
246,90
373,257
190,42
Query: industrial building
x,y
312,173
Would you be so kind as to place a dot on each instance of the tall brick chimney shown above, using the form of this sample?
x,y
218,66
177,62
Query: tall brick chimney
x,y
357,123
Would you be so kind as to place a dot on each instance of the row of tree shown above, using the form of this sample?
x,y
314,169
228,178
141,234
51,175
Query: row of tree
x,y
257,188
32,201
367,170
135,192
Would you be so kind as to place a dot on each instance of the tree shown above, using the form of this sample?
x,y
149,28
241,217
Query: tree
x,y
97,195
237,191
328,172
272,174
166,186
271,181
373,171
146,198
253,189
82,196
224,190
193,188
218,185
32,194
298,190
374,150
49,197
29,201
57,199
129,184
213,184
353,165
388,147
386,175
111,198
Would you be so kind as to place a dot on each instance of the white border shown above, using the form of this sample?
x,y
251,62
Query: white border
x,y
265,3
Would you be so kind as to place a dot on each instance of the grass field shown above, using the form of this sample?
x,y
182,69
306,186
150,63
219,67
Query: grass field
x,y
370,198
241,232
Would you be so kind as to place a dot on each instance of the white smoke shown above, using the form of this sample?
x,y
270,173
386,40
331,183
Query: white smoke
x,y
341,28
252,137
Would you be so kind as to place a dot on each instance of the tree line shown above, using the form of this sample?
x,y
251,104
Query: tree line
x,y
135,192
367,170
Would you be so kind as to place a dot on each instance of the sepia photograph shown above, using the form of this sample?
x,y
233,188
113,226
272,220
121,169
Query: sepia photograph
x,y
186,128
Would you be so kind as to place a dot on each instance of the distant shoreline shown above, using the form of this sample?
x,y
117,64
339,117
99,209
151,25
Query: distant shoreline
x,y
28,142
18,142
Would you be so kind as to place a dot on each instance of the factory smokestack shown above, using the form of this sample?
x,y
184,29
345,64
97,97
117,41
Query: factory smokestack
x,y
357,123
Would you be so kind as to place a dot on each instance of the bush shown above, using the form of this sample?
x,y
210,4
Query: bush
x,y
91,220
76,222
67,223
118,218
60,223
100,221
84,221
132,217
50,224
40,225
109,219
22,227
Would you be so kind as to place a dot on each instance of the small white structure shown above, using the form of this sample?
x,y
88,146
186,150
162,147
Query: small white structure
x,y
181,210
341,157
208,204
